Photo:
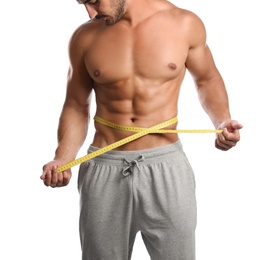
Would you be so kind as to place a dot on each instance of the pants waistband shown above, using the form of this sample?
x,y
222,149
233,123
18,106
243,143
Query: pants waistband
x,y
150,155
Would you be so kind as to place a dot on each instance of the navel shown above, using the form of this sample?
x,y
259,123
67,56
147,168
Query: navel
x,y
172,66
96,73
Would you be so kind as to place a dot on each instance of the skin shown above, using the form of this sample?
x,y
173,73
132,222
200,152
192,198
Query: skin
x,y
134,54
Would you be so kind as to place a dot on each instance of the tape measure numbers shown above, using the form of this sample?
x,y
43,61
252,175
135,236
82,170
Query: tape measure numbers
x,y
156,131
139,133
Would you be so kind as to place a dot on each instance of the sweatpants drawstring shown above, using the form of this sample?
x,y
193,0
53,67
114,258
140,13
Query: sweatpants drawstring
x,y
131,164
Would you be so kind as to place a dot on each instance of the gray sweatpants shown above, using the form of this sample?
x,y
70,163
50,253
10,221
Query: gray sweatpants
x,y
123,192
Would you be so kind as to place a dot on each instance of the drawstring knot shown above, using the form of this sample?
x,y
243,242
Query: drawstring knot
x,y
131,164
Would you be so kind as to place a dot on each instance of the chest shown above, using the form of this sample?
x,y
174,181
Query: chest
x,y
148,53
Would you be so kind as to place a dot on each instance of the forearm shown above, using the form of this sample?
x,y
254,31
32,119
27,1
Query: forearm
x,y
214,99
72,131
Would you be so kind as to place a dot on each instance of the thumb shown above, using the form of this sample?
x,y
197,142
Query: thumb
x,y
235,125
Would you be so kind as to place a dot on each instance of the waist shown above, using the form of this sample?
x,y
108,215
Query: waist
x,y
108,132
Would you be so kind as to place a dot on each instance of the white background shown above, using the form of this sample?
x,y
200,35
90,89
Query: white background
x,y
42,223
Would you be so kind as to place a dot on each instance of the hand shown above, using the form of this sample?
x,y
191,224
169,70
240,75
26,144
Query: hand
x,y
229,136
52,178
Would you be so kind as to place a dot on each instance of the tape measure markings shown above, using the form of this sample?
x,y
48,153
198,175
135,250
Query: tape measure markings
x,y
138,129
139,133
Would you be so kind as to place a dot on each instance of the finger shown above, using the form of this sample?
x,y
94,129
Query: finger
x,y
43,176
44,172
60,179
222,146
47,179
66,178
222,141
237,125
232,137
54,177
226,140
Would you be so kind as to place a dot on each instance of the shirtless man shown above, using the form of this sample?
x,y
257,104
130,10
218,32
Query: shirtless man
x,y
134,55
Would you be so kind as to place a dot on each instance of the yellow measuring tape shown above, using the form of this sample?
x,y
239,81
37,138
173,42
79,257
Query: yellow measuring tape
x,y
139,133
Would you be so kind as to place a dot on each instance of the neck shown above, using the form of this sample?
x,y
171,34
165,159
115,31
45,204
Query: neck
x,y
139,10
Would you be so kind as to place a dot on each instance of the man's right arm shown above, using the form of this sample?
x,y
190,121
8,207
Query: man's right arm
x,y
74,118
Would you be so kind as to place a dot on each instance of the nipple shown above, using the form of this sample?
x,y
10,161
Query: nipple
x,y
96,73
172,66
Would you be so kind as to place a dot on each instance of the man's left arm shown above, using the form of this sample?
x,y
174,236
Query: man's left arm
x,y
210,87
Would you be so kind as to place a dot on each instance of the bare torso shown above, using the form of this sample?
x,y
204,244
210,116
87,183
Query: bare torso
x,y
137,73
136,67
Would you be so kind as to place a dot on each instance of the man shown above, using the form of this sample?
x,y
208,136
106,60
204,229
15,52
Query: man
x,y
134,55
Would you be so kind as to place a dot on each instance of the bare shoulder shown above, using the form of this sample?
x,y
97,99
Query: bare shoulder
x,y
187,17
184,21
191,24
83,34
79,44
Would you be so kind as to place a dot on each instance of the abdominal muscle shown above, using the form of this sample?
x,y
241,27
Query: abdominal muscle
x,y
142,109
